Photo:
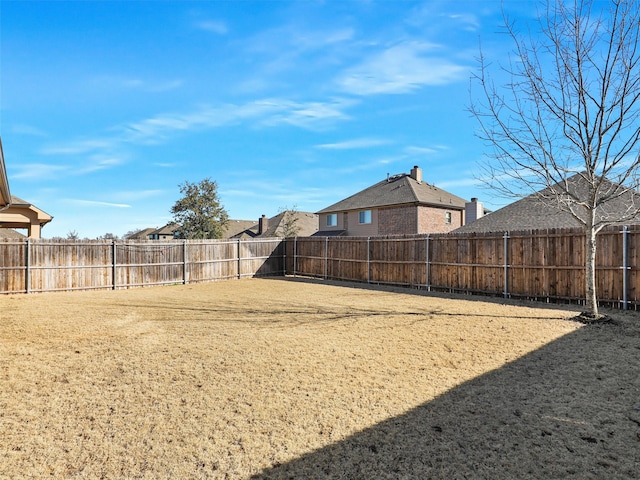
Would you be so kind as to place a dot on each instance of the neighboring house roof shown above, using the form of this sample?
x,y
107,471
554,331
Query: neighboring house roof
x,y
238,227
168,230
329,233
10,233
306,225
399,189
141,235
537,211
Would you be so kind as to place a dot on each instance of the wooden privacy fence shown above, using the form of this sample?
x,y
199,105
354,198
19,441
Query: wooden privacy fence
x,y
544,265
45,265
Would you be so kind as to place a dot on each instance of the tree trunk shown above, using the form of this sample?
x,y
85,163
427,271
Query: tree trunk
x,y
590,262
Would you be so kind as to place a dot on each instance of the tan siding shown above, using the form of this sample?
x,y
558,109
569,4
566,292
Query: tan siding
x,y
357,229
323,222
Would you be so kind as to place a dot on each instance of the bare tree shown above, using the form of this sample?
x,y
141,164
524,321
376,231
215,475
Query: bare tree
x,y
566,125
290,217
108,236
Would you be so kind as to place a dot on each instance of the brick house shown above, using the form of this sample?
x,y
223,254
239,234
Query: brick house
x,y
401,204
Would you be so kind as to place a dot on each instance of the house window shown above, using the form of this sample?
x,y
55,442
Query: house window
x,y
332,220
447,217
365,216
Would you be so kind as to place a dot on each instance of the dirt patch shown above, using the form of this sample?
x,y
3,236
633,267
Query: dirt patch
x,y
282,378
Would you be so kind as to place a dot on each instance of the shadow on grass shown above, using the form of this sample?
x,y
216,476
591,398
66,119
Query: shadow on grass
x,y
571,409
437,293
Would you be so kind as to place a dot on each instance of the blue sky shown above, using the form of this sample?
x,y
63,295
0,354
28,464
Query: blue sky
x,y
106,106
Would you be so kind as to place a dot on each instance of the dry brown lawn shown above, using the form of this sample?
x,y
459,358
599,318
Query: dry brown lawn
x,y
286,378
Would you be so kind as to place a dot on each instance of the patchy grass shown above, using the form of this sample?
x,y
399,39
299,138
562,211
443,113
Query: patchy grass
x,y
283,378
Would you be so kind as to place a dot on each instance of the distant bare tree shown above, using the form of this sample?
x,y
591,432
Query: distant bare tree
x,y
290,227
567,123
131,233
73,235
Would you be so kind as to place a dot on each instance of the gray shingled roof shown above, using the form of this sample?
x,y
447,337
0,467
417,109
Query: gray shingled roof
x,y
536,212
141,235
398,190
526,214
11,233
238,227
307,225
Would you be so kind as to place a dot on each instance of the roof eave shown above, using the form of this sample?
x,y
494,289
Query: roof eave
x,y
5,193
392,205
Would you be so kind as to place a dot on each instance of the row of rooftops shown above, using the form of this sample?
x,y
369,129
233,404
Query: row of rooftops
x,y
529,213
306,224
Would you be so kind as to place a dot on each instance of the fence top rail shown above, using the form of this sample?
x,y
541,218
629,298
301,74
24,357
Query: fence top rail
x,y
156,243
547,232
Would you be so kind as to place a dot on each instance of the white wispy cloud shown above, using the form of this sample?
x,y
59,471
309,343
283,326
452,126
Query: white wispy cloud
x,y
133,195
270,112
460,182
98,162
215,26
401,69
94,203
469,21
309,115
165,164
436,17
21,129
355,144
413,150
35,171
281,55
123,82
77,147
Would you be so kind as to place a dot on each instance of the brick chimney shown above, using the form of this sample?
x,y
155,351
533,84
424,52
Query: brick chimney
x,y
263,224
473,210
416,174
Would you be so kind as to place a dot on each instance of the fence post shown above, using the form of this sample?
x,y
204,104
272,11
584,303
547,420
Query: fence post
x,y
284,256
114,252
184,262
625,265
27,272
239,261
295,254
368,259
506,265
427,280
326,257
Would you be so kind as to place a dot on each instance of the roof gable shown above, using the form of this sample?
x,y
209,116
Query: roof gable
x,y
398,190
306,223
